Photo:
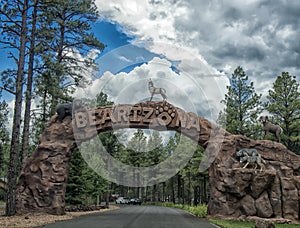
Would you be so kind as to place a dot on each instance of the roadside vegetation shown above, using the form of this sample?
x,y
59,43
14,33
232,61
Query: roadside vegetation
x,y
201,211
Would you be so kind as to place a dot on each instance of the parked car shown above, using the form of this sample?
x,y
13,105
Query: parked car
x,y
136,201
122,200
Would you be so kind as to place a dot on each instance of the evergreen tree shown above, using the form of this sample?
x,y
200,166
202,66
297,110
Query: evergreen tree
x,y
135,152
155,155
65,32
284,104
3,135
84,185
29,85
243,106
75,191
14,31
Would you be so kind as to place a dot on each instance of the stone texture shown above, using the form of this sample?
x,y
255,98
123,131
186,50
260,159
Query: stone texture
x,y
234,191
42,183
247,206
263,206
290,198
275,189
275,198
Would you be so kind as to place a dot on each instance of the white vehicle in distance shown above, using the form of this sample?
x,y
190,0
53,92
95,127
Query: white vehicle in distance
x,y
122,200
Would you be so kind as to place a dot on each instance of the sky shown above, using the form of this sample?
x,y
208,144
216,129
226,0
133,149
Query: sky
x,y
261,36
191,48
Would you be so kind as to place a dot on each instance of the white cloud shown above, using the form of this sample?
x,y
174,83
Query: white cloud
x,y
201,95
261,36
153,23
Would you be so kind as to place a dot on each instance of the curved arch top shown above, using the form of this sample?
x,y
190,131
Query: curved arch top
x,y
161,116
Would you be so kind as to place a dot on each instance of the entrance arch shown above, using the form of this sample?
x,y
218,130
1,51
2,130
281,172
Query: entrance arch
x,y
42,183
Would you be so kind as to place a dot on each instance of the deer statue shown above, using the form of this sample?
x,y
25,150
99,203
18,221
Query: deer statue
x,y
154,90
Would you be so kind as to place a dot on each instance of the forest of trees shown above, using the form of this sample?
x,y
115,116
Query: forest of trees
x,y
42,37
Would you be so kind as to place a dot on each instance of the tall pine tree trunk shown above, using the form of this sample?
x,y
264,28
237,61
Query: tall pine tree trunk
x,y
173,190
25,139
14,148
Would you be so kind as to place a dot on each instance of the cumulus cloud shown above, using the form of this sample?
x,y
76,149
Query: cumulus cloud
x,y
261,36
185,91
153,24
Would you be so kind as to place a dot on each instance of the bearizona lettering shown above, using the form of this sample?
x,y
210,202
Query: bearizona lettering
x,y
132,115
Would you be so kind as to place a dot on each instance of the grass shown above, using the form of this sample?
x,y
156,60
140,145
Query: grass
x,y
201,211
2,203
232,224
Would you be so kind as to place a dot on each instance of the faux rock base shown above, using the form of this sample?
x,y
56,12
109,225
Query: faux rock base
x,y
273,192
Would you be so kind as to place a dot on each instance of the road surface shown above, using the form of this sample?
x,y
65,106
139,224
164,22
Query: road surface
x,y
136,217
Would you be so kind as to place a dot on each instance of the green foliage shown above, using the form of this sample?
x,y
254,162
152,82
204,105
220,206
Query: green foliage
x,y
284,104
243,106
84,184
7,80
76,181
200,210
135,151
1,202
232,223
4,138
156,153
64,35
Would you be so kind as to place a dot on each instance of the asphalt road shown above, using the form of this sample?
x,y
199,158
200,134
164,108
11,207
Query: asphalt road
x,y
136,217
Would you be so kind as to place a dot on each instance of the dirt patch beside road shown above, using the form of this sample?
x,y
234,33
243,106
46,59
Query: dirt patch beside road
x,y
34,220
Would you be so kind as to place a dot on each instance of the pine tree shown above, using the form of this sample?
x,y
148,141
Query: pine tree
x,y
155,155
65,32
3,134
14,31
75,190
135,151
84,185
284,104
243,106
29,85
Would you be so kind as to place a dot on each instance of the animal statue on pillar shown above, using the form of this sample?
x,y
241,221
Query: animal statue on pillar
x,y
66,109
154,90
